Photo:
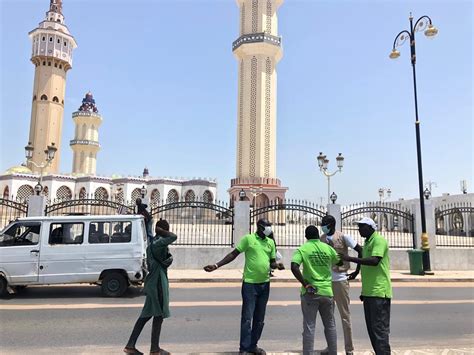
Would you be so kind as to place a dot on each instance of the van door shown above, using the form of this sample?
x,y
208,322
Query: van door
x,y
62,254
19,252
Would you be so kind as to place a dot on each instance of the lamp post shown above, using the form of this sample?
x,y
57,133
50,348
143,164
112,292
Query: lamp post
x,y
384,193
423,23
323,167
50,152
255,191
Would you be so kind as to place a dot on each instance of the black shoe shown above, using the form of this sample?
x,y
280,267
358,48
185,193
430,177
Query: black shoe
x,y
259,351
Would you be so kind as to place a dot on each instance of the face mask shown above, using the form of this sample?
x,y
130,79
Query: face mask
x,y
325,229
267,231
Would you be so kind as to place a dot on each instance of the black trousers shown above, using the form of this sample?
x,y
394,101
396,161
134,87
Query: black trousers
x,y
377,319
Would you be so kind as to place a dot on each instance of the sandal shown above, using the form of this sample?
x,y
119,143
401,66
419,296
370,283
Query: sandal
x,y
133,351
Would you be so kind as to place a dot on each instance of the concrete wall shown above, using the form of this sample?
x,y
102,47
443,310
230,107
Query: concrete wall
x,y
442,259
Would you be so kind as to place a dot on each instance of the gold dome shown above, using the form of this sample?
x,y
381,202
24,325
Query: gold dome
x,y
20,169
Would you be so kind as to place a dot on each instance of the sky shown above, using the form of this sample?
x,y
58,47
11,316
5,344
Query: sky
x,y
164,79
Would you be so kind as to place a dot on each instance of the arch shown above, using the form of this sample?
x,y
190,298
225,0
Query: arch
x,y
44,97
6,193
101,194
173,196
207,196
82,193
55,99
190,196
23,193
64,193
83,132
155,197
136,193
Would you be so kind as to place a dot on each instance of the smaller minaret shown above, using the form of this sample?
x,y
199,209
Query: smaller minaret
x,y
85,144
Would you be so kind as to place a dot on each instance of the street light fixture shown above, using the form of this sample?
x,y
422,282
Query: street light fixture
x,y
143,191
427,193
50,153
423,23
323,163
384,193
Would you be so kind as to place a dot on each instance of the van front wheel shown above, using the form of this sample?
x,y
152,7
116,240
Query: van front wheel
x,y
114,284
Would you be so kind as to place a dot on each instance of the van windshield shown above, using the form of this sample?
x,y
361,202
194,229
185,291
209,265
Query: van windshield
x,y
21,233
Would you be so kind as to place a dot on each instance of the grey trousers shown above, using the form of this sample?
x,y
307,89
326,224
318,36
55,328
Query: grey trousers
x,y
342,299
310,305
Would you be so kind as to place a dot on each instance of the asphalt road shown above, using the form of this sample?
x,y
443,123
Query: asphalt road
x,y
205,318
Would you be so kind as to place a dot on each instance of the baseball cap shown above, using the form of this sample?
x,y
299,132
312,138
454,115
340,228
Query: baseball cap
x,y
369,221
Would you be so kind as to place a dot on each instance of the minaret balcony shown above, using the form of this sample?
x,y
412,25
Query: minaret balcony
x,y
84,142
256,38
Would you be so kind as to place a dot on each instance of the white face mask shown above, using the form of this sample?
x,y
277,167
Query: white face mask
x,y
267,231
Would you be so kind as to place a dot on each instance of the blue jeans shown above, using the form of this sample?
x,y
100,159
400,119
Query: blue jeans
x,y
254,304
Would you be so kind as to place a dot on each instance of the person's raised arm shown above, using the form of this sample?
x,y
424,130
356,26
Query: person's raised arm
x,y
226,260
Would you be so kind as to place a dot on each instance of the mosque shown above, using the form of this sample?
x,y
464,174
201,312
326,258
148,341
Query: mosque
x,y
52,53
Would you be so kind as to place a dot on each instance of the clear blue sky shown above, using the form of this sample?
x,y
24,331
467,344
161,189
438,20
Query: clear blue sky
x,y
165,80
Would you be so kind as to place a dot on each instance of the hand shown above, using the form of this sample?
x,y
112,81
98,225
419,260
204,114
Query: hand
x,y
353,275
210,268
310,289
280,266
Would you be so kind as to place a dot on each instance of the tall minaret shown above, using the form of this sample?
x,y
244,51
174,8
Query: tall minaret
x,y
85,144
258,50
52,57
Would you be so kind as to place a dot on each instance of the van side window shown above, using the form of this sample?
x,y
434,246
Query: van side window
x,y
66,233
21,233
122,232
110,232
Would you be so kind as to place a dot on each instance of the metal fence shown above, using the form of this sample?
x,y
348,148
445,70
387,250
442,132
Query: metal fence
x,y
198,223
455,225
87,206
11,210
394,222
289,218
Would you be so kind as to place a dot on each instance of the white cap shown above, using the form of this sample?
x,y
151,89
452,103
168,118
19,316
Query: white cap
x,y
369,221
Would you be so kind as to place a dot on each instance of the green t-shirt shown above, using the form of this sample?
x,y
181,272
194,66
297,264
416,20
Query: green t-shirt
x,y
376,279
317,259
258,253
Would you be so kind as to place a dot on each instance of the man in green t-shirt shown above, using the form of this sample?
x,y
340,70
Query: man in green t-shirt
x,y
259,259
318,259
376,285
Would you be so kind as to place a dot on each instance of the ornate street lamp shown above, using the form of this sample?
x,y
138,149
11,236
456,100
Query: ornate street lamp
x,y
384,193
423,23
323,162
49,152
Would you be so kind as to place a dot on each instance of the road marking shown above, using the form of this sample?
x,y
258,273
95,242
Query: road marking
x,y
23,307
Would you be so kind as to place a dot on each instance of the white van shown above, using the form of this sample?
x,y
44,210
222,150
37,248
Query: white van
x,y
105,250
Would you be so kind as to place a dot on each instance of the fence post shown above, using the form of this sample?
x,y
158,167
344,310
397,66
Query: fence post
x,y
431,229
36,206
334,210
241,219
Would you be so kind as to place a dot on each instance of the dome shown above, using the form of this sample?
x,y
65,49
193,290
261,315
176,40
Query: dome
x,y
88,104
20,169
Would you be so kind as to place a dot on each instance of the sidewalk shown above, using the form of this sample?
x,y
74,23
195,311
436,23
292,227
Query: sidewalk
x,y
235,275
